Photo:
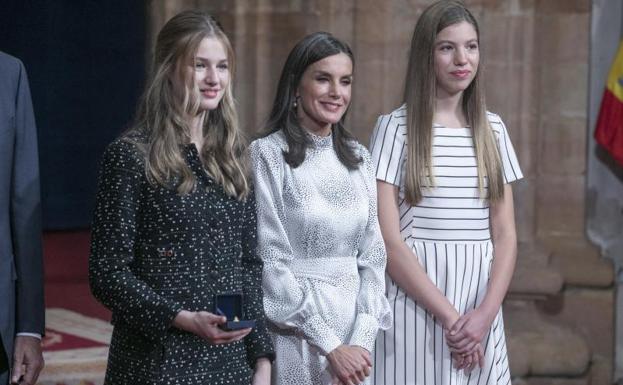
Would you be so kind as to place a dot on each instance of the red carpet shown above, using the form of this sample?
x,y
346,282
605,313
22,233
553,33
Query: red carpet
x,y
66,256
61,340
77,326
75,349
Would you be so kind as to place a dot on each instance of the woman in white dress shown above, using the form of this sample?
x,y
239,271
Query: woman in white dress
x,y
318,233
443,168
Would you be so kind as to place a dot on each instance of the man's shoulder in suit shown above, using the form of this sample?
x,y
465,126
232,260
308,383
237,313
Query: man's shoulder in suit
x,y
11,69
9,63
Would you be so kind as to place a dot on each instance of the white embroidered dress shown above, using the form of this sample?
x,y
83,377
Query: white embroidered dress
x,y
324,258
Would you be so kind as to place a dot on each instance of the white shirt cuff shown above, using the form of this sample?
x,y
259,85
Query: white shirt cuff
x,y
36,335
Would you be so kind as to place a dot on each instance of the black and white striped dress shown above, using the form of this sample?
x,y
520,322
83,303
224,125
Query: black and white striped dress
x,y
449,232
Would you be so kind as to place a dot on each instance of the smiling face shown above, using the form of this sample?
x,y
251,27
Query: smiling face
x,y
456,55
323,94
210,70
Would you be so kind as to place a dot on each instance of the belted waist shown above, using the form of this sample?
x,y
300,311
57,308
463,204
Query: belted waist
x,y
326,268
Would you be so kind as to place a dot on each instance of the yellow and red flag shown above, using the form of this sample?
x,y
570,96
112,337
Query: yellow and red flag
x,y
609,129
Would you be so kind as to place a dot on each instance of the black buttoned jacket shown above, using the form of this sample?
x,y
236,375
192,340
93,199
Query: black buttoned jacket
x,y
155,252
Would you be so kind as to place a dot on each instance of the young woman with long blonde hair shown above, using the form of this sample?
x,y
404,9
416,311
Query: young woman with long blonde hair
x,y
443,167
175,224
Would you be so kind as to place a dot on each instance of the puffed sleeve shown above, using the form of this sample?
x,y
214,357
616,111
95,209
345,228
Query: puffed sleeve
x,y
388,147
286,304
112,243
258,341
373,310
510,164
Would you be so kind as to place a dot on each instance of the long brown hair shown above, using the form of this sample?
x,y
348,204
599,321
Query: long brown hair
x,y
419,96
162,113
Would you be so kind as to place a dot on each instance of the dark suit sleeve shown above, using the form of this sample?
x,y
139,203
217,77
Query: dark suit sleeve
x,y
258,341
26,215
114,231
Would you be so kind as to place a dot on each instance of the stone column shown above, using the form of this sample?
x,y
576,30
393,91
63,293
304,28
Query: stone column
x,y
605,177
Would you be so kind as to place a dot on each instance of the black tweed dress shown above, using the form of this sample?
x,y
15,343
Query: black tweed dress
x,y
154,253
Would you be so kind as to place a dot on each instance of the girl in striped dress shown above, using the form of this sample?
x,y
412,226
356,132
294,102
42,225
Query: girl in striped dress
x,y
443,167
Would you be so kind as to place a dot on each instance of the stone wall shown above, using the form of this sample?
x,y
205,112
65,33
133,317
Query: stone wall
x,y
604,176
536,58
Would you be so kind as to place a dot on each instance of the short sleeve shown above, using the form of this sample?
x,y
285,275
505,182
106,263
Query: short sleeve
x,y
510,164
388,147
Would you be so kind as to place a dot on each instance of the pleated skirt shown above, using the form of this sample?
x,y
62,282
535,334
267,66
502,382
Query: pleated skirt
x,y
415,351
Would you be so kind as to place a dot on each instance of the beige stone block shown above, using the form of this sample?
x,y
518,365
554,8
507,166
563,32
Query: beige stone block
x,y
516,108
485,4
535,281
577,271
518,355
524,134
563,6
372,96
551,349
518,313
266,41
522,128
560,206
416,6
379,72
336,7
563,146
554,381
505,84
527,5
277,6
581,263
563,37
507,37
216,7
402,23
337,17
524,197
374,21
512,90
601,371
533,254
586,311
563,91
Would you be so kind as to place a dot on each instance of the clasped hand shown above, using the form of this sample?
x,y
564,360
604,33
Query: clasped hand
x,y
350,364
465,339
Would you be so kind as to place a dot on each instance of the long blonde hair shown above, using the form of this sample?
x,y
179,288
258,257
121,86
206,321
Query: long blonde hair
x,y
419,96
163,116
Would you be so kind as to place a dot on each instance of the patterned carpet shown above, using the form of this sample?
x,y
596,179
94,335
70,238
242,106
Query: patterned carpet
x,y
75,348
78,330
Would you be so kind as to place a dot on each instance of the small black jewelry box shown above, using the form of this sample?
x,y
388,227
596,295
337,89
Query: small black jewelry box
x,y
230,306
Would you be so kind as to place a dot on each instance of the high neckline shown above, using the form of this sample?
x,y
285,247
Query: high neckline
x,y
321,141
